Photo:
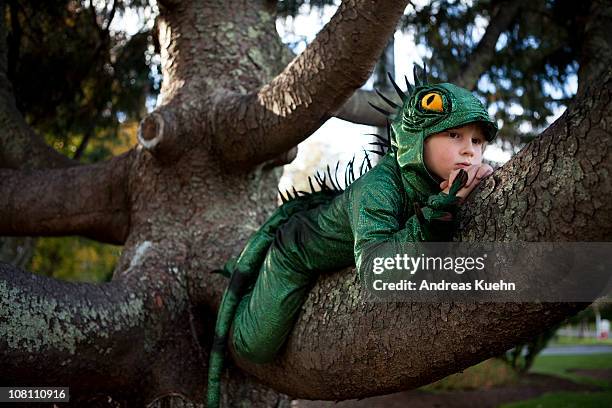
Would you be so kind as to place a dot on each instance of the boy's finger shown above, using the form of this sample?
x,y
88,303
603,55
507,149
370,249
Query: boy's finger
x,y
452,176
443,184
483,171
471,175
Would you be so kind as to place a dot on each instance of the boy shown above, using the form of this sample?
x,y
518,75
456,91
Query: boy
x,y
412,195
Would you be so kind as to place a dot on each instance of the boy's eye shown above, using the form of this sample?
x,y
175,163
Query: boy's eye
x,y
453,135
476,141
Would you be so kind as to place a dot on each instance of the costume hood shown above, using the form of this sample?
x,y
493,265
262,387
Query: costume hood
x,y
428,109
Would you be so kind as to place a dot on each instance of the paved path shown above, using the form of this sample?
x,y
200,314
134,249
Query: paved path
x,y
569,350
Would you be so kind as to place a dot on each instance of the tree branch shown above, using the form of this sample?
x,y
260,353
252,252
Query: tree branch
x,y
553,190
503,14
596,53
253,128
86,200
357,110
138,338
103,337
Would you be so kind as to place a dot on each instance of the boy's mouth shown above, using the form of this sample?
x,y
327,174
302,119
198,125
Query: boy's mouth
x,y
463,165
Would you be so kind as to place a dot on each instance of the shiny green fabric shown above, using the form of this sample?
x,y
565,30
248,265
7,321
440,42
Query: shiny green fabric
x,y
397,201
414,124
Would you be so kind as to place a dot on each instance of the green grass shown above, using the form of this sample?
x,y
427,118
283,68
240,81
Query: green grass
x,y
489,373
494,372
566,400
561,366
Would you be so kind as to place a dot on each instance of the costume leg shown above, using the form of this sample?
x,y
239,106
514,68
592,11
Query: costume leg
x,y
266,316
300,252
243,272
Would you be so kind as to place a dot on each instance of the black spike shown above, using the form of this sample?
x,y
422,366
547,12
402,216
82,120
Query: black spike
x,y
399,91
379,137
367,158
312,190
389,135
425,81
289,195
379,144
415,74
318,179
381,110
322,182
352,175
347,172
409,87
361,167
336,175
346,176
331,179
295,193
389,101
282,196
376,152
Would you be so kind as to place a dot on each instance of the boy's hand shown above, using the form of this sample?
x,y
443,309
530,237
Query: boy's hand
x,y
475,173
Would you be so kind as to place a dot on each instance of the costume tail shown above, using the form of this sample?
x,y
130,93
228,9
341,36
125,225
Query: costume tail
x,y
244,272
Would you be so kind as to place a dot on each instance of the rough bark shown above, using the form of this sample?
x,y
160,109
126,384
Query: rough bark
x,y
146,335
91,201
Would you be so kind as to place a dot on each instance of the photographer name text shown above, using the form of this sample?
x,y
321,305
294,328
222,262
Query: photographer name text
x,y
476,285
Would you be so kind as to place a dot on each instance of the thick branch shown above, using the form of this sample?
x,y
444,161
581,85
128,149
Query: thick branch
x,y
20,146
102,338
556,189
596,53
89,200
502,16
253,128
357,109
65,320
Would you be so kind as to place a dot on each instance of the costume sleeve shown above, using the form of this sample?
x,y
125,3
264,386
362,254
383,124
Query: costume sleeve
x,y
377,210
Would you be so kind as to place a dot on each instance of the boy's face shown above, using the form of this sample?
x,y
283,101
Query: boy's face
x,y
457,148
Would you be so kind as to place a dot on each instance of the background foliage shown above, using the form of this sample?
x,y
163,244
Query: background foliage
x,y
84,86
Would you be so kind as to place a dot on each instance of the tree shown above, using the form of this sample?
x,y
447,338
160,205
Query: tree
x,y
234,104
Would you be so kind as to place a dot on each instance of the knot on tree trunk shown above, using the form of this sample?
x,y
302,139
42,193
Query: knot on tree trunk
x,y
157,133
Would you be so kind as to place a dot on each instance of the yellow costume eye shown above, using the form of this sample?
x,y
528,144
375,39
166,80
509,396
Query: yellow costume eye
x,y
433,102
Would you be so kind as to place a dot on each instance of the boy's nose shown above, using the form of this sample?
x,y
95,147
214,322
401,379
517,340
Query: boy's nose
x,y
468,148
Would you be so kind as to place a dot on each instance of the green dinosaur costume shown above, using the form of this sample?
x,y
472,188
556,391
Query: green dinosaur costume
x,y
396,201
